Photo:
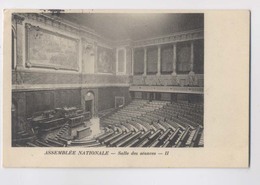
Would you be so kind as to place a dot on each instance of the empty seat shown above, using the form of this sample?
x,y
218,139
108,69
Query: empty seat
x,y
163,116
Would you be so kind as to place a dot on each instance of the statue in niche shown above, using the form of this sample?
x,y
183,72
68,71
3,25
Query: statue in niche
x,y
88,48
144,81
158,80
192,80
175,81
182,82
19,78
131,80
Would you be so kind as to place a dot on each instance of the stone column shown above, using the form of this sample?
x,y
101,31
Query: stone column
x,y
174,60
133,60
145,61
20,44
95,57
159,61
192,58
80,60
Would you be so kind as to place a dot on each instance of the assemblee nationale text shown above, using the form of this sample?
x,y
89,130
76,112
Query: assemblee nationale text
x,y
74,152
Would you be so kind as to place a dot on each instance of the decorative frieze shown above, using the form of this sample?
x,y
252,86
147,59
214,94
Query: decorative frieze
x,y
176,37
168,80
41,87
123,43
30,27
190,90
61,24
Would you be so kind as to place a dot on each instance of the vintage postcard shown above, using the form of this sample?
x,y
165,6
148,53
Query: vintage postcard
x,y
126,88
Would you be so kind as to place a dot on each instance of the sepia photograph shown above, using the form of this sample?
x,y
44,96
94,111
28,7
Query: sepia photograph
x,y
126,88
129,92
107,79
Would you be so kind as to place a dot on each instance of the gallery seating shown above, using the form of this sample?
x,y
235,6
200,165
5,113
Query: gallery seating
x,y
119,139
137,141
170,141
126,142
181,142
157,124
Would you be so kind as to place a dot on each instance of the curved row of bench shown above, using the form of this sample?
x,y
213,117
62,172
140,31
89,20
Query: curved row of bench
x,y
172,120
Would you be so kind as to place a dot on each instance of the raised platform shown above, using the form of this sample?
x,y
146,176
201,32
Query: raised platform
x,y
89,130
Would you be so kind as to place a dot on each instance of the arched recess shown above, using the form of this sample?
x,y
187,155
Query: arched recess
x,y
90,102
13,49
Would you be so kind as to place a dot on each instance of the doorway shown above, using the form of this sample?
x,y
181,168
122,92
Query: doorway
x,y
89,103
88,106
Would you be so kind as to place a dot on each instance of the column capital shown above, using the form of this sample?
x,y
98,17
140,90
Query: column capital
x,y
19,19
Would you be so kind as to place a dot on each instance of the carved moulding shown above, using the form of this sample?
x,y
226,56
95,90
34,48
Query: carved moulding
x,y
17,18
176,37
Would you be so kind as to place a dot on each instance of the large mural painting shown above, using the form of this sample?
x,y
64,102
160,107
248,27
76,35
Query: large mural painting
x,y
48,49
105,60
